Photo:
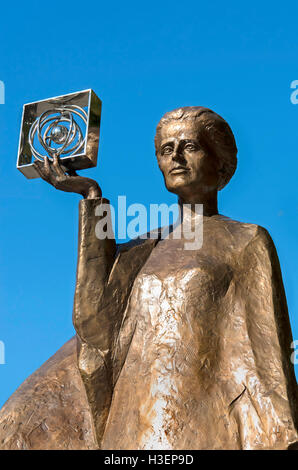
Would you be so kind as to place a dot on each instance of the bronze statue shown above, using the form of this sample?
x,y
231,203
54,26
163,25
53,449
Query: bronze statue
x,y
175,348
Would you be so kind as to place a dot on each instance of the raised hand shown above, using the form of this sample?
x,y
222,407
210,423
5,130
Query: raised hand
x,y
68,181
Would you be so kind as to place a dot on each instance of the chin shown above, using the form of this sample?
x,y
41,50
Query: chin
x,y
181,179
177,188
178,181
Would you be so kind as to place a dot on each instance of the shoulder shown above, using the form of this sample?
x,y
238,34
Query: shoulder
x,y
244,233
254,245
229,232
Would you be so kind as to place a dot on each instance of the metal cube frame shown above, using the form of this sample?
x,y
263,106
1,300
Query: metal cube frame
x,y
87,156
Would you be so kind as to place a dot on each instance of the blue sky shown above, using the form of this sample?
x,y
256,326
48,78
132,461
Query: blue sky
x,y
142,59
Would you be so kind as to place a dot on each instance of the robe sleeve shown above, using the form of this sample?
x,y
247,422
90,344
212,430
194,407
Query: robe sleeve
x,y
105,276
95,261
271,381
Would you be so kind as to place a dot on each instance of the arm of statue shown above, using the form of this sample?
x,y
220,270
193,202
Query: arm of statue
x,y
95,255
271,383
93,323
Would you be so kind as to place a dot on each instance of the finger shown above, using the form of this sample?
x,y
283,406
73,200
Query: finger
x,y
47,168
44,170
51,175
57,167
39,166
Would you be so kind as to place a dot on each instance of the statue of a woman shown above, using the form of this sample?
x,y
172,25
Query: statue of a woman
x,y
177,348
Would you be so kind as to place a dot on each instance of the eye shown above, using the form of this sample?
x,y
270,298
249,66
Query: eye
x,y
167,150
190,147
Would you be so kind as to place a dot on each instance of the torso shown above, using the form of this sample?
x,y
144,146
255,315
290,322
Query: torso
x,y
171,341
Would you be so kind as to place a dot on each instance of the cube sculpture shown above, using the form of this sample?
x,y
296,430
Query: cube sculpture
x,y
65,126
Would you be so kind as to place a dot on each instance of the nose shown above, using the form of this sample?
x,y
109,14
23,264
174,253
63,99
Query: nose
x,y
177,154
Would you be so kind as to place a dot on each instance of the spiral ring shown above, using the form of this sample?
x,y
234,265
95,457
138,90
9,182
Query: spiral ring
x,y
58,126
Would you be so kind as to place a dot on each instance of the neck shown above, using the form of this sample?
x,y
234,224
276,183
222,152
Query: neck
x,y
208,200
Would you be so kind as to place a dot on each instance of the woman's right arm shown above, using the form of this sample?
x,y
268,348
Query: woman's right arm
x,y
96,255
95,261
93,323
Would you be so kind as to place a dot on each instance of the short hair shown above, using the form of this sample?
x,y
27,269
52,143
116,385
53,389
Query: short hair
x,y
215,136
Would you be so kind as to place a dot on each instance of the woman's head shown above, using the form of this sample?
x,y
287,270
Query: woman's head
x,y
196,150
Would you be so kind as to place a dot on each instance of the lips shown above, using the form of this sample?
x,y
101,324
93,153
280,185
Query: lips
x,y
179,169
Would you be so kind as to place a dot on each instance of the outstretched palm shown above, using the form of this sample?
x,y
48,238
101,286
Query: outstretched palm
x,y
68,181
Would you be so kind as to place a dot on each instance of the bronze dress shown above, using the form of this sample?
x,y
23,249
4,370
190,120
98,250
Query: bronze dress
x,y
178,349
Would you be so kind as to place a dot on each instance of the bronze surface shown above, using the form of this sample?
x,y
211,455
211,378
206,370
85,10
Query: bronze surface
x,y
177,349
49,410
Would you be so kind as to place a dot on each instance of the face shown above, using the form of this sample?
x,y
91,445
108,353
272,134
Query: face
x,y
187,168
